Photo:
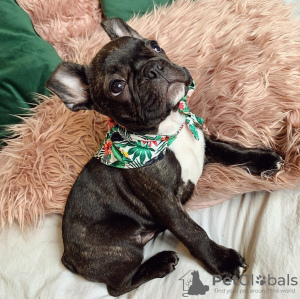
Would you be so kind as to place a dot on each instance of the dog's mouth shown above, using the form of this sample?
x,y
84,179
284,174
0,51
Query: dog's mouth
x,y
178,90
175,93
176,107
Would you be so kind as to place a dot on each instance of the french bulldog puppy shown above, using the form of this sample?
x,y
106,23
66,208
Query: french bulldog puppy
x,y
113,211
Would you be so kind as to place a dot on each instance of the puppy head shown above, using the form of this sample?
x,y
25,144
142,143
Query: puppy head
x,y
130,80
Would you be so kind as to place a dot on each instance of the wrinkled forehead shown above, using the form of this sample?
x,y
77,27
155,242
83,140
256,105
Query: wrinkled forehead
x,y
123,51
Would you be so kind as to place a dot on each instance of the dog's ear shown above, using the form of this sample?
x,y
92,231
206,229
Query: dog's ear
x,y
69,81
116,27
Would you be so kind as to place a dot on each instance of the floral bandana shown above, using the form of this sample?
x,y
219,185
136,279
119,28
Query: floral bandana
x,y
124,149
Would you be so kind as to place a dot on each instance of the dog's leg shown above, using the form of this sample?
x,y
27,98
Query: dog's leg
x,y
111,251
157,266
167,209
257,161
217,259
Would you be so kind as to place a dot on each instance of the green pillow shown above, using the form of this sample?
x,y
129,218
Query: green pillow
x,y
26,63
126,9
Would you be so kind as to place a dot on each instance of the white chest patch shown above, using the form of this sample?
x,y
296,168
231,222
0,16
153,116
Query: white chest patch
x,y
190,154
188,151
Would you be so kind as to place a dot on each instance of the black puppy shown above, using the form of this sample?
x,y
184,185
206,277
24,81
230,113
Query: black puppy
x,y
125,196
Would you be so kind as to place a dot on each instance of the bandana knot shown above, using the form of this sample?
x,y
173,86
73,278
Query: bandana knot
x,y
124,149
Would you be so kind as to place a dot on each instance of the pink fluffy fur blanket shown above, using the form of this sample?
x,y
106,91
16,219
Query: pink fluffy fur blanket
x,y
244,56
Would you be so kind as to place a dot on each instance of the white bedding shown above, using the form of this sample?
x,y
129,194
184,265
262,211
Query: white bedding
x,y
263,227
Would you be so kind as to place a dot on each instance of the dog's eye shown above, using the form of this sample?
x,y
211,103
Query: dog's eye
x,y
117,86
156,47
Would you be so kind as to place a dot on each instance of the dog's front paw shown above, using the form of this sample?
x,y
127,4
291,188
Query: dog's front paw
x,y
264,162
228,263
233,265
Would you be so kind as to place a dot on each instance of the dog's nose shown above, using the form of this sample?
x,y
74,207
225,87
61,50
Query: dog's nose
x,y
188,73
153,69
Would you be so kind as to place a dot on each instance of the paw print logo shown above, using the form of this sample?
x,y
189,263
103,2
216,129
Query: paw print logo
x,y
261,280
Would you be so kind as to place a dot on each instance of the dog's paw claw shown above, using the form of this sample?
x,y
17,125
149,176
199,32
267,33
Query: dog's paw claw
x,y
278,165
242,270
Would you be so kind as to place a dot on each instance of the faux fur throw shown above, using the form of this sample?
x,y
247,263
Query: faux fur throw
x,y
244,56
